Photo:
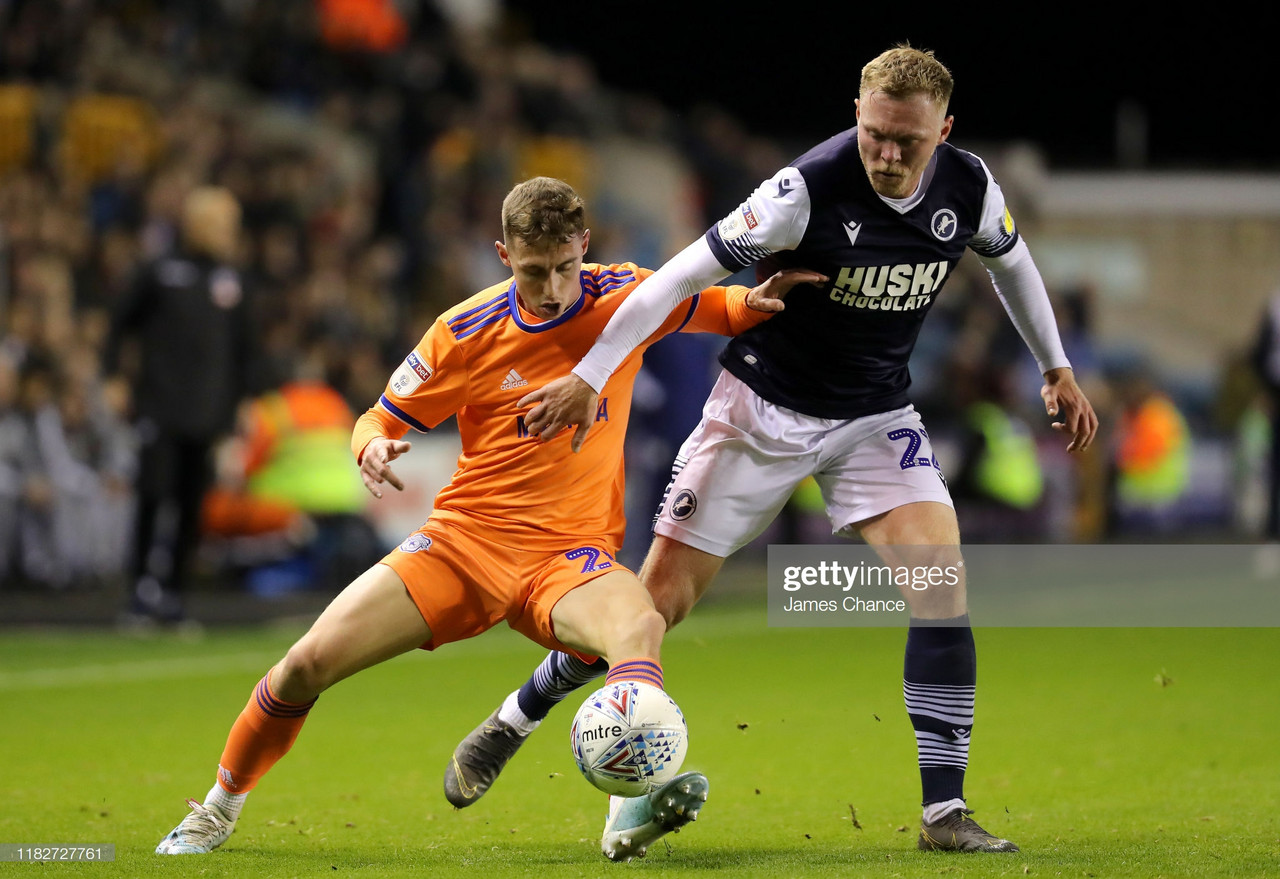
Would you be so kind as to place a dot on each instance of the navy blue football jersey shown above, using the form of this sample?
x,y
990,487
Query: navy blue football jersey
x,y
843,352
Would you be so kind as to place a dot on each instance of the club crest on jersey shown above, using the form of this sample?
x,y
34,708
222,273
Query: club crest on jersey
x,y
683,505
411,374
415,543
943,224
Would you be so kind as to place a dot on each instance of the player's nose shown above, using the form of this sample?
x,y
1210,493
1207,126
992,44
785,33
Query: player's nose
x,y
566,290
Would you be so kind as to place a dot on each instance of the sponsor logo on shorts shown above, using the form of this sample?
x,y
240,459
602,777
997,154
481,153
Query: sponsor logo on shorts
x,y
683,505
415,543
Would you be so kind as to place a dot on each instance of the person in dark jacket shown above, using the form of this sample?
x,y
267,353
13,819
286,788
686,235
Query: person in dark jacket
x,y
186,313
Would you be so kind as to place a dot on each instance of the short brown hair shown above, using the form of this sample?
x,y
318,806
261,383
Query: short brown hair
x,y
903,71
543,211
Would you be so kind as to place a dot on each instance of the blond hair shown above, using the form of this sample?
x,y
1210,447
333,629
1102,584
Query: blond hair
x,y
903,71
543,212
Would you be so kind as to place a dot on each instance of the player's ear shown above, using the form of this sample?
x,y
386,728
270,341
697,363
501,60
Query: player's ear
x,y
946,128
502,253
586,240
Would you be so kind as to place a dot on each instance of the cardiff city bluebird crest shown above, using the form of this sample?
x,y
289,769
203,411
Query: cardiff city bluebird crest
x,y
415,543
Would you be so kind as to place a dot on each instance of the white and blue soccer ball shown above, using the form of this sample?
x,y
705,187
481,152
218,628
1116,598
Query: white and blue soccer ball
x,y
629,738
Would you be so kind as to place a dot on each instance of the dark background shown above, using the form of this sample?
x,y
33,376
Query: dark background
x,y
1056,76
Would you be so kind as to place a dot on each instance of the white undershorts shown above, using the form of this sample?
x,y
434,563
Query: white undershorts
x,y
735,472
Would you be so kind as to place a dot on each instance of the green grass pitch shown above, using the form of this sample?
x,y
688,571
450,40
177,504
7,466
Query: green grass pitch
x,y
1102,752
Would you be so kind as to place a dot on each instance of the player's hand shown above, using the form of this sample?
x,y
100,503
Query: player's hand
x,y
1062,395
375,466
769,295
565,401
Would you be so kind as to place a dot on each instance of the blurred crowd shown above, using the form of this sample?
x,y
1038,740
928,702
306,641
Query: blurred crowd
x,y
366,146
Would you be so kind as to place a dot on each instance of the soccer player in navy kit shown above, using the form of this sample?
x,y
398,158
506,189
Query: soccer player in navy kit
x,y
885,211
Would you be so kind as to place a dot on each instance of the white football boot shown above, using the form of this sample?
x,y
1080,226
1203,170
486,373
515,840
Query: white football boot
x,y
204,829
635,823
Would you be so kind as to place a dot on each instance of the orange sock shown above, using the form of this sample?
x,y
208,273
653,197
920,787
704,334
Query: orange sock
x,y
644,671
262,734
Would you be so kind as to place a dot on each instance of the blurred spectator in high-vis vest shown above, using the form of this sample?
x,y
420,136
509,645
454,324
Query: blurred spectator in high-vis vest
x,y
287,481
999,481
1152,454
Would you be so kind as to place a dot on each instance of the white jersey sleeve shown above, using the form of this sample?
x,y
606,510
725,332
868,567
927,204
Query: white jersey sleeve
x,y
773,218
1025,299
996,232
693,269
1017,280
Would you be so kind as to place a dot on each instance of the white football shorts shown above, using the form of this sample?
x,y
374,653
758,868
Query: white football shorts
x,y
735,472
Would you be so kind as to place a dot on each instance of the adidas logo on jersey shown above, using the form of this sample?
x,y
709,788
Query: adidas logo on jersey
x,y
513,380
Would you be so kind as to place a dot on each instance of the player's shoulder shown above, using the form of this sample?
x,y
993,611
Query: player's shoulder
x,y
954,160
481,311
833,149
829,157
602,280
959,179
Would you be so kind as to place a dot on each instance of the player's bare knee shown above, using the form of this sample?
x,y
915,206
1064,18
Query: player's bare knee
x,y
639,633
303,674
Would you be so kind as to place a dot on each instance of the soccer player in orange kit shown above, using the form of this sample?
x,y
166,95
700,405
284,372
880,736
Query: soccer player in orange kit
x,y
525,532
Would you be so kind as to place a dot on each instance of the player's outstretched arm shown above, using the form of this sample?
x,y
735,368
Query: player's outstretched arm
x,y
1062,395
375,464
572,399
569,400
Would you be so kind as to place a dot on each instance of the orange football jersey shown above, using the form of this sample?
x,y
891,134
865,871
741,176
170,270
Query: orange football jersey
x,y
483,355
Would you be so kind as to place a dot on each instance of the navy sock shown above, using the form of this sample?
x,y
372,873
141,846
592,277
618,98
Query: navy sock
x,y
939,678
558,676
